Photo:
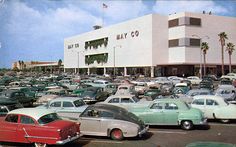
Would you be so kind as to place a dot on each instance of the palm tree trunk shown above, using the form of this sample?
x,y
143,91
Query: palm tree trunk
x,y
230,63
204,58
222,59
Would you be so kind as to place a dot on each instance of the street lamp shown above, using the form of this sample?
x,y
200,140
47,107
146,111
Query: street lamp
x,y
114,59
200,68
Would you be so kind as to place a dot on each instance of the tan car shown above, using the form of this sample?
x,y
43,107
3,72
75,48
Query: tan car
x,y
110,121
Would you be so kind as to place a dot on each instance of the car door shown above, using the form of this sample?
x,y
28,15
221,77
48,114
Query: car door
x,y
155,114
8,128
171,113
211,105
68,110
26,129
90,122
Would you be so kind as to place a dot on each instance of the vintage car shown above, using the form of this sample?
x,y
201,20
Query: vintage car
x,y
170,112
38,126
181,88
188,97
126,89
110,121
206,84
80,88
140,88
126,101
4,109
231,76
194,80
111,88
215,107
16,96
66,107
94,94
228,92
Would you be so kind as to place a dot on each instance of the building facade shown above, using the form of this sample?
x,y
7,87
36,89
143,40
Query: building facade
x,y
152,45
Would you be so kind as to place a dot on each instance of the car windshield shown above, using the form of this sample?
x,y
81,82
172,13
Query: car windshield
x,y
48,118
79,103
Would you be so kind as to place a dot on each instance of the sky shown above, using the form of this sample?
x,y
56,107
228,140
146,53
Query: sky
x,y
34,30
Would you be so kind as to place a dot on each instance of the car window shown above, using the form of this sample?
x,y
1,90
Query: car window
x,y
198,102
12,118
106,114
157,106
55,104
79,103
126,100
211,102
91,113
26,120
48,118
171,106
67,104
114,100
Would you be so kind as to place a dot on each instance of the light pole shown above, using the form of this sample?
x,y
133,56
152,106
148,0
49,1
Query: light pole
x,y
114,59
200,68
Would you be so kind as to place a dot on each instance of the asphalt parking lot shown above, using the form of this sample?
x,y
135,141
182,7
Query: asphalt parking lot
x,y
160,136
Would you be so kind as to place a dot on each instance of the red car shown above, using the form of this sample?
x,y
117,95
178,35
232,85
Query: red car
x,y
38,126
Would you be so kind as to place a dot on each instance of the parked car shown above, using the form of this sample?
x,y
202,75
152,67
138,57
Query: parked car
x,y
225,81
94,94
194,80
188,97
126,89
111,88
66,107
209,144
110,121
170,112
231,76
140,88
206,84
29,92
180,88
16,96
38,126
228,92
215,107
99,83
4,109
80,88
126,101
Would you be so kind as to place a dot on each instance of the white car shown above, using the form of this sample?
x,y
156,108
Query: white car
x,y
194,80
215,107
230,76
126,101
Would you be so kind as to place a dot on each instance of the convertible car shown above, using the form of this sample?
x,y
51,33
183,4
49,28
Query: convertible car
x,y
38,126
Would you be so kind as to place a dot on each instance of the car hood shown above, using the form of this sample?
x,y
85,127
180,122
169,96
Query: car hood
x,y
4,100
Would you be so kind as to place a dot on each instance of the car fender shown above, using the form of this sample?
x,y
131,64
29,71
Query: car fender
x,y
228,112
129,129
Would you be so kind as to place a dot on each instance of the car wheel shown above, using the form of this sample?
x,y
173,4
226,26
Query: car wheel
x,y
225,120
117,134
186,125
36,144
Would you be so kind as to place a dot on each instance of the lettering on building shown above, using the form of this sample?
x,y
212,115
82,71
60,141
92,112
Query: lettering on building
x,y
132,34
76,45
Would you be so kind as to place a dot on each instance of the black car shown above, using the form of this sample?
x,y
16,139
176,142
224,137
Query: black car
x,y
16,96
206,84
94,94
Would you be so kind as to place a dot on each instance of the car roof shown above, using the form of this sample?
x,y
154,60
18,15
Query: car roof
x,y
32,112
67,99
101,106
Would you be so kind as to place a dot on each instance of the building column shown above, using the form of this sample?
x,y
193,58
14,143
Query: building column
x,y
104,71
88,71
125,71
64,70
75,70
152,71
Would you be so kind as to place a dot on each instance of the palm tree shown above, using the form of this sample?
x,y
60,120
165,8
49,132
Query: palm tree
x,y
222,36
204,48
230,48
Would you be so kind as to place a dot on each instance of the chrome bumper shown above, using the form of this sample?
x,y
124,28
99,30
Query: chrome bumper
x,y
143,131
69,139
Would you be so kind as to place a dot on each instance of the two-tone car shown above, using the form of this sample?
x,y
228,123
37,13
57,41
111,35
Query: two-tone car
x,y
111,121
170,112
39,126
215,107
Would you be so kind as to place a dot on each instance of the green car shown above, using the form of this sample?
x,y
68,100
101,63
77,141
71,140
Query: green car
x,y
170,112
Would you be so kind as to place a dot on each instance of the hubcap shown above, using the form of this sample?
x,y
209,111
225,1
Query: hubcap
x,y
186,124
117,134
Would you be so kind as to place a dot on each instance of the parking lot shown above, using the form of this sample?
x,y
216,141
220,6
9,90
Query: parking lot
x,y
160,136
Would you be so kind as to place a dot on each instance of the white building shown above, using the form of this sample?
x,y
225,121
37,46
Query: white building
x,y
153,45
